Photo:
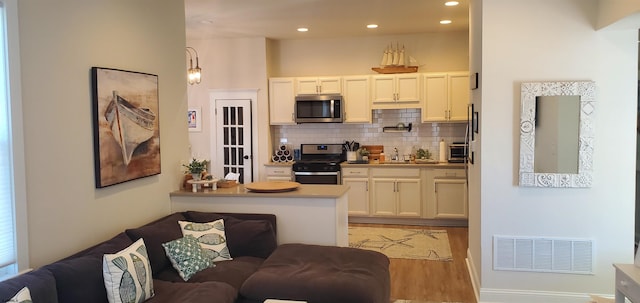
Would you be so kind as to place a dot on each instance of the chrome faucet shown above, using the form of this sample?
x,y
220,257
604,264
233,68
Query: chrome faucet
x,y
395,156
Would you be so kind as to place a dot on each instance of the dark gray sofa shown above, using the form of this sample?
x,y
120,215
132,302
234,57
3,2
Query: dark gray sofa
x,y
251,239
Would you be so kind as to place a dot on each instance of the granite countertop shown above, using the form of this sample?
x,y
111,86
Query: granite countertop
x,y
386,164
303,191
407,165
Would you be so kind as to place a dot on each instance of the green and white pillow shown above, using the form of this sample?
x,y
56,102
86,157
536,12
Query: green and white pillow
x,y
23,296
127,274
211,237
186,256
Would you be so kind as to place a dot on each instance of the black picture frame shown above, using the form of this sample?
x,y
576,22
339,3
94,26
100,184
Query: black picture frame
x,y
126,125
474,122
473,81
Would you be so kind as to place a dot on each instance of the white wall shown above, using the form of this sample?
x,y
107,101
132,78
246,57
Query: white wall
x,y
60,41
231,64
553,40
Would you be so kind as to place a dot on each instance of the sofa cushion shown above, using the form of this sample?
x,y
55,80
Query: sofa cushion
x,y
247,235
79,279
211,236
198,216
23,296
155,233
205,292
233,272
321,274
113,245
127,274
186,256
41,284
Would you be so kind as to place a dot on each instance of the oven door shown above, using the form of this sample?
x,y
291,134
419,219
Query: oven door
x,y
310,177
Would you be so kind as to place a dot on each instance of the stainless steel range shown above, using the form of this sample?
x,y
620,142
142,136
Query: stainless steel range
x,y
319,164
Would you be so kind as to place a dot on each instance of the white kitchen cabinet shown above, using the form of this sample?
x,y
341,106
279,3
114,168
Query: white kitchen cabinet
x,y
318,85
396,192
358,180
396,91
448,194
281,101
279,172
355,93
446,97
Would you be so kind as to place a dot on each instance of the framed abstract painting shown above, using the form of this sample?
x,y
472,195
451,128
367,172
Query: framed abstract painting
x,y
126,132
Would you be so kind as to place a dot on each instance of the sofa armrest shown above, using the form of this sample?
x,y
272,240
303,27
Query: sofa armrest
x,y
41,284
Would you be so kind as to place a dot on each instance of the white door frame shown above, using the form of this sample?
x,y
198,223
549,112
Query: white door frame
x,y
229,94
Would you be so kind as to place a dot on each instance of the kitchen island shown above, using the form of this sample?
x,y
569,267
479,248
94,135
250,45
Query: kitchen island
x,y
310,214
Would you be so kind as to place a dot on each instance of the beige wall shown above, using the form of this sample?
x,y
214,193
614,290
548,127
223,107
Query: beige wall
x,y
247,63
356,56
618,13
60,41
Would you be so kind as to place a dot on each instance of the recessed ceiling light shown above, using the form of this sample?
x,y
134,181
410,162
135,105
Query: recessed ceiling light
x,y
451,3
445,21
372,26
303,29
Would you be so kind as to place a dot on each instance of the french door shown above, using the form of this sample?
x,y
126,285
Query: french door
x,y
234,150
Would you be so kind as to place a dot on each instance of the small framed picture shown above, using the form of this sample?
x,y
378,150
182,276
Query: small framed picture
x,y
473,81
474,124
194,119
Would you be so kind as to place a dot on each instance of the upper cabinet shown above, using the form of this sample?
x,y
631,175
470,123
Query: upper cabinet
x,y
318,85
281,101
396,91
446,97
356,96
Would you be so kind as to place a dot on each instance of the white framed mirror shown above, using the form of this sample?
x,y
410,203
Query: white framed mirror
x,y
556,134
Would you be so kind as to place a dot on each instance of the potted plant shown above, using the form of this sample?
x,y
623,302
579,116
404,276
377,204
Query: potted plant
x,y
195,168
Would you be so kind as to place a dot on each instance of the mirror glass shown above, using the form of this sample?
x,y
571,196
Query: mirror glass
x,y
557,124
556,134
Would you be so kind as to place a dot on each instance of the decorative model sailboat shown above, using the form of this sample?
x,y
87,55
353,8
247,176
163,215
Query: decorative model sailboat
x,y
393,62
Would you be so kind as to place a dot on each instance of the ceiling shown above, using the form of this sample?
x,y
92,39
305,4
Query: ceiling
x,y
279,19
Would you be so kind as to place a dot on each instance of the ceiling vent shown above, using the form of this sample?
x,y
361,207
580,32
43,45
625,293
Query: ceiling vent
x,y
555,255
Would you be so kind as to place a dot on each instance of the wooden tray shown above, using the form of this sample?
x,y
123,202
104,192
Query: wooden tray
x,y
272,186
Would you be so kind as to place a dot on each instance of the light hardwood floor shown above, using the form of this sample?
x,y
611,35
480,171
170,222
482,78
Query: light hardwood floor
x,y
427,280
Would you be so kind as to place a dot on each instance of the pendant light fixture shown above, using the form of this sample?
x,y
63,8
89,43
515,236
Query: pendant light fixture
x,y
193,74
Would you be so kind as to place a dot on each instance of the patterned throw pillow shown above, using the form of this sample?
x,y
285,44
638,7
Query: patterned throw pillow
x,y
211,237
23,296
186,256
127,274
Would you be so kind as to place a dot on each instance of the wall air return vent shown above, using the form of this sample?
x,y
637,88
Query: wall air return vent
x,y
555,255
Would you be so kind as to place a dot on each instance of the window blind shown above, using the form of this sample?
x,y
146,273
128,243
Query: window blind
x,y
7,210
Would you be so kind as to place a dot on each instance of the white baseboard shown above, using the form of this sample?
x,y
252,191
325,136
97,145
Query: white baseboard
x,y
491,295
473,274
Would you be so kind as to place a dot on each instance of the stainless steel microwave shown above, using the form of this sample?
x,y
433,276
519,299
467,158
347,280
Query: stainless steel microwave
x,y
458,152
319,109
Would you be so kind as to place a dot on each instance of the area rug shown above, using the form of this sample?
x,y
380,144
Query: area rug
x,y
426,244
417,301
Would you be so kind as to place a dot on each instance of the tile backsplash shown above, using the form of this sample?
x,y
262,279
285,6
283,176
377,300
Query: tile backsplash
x,y
422,135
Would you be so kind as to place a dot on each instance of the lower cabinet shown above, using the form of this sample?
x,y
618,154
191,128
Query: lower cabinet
x,y
279,172
357,178
396,197
406,192
448,190
396,192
